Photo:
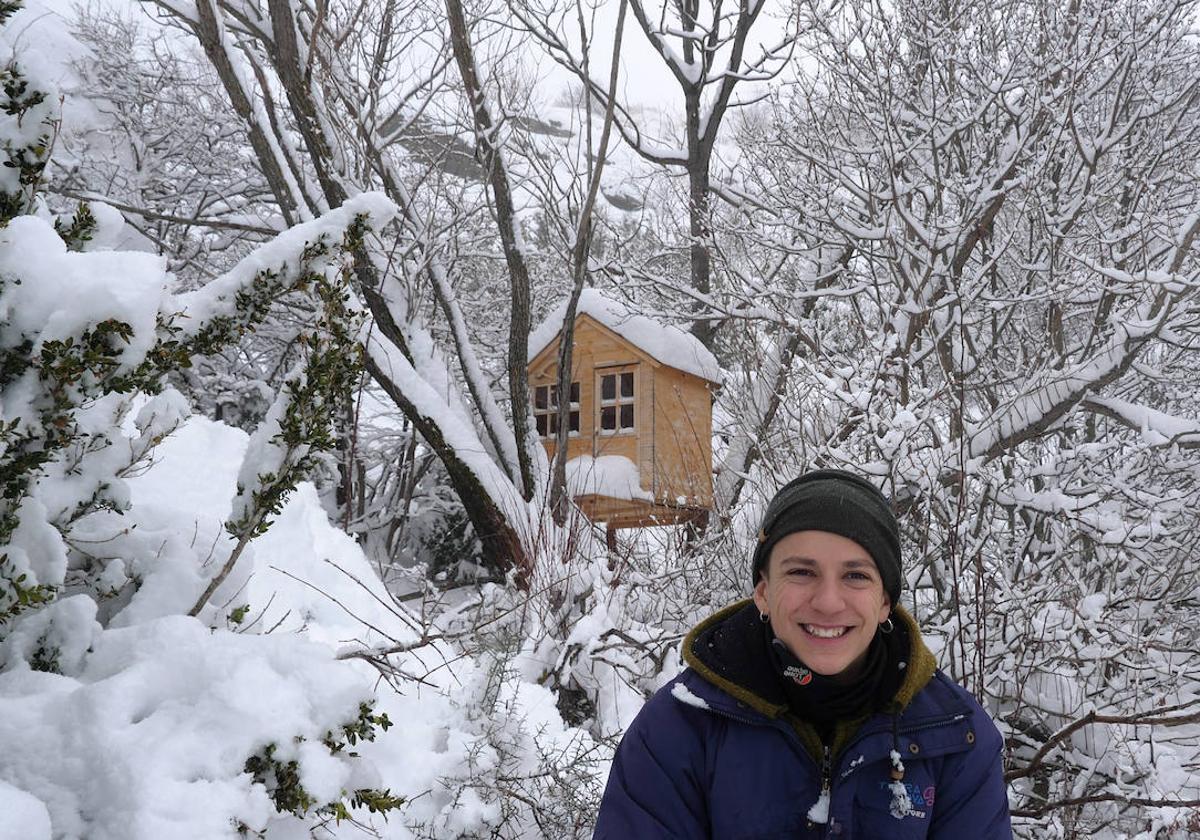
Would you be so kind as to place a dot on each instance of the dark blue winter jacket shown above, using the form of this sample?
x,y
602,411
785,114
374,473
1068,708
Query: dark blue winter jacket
x,y
712,756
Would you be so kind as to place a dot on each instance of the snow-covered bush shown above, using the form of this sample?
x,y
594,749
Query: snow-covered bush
x,y
27,124
188,648
83,333
99,667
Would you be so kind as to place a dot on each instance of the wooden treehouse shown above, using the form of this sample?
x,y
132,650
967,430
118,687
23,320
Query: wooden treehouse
x,y
640,440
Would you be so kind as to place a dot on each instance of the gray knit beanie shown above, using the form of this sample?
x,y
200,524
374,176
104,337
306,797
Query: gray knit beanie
x,y
841,503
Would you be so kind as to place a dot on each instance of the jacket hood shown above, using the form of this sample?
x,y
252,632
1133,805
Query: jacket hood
x,y
726,650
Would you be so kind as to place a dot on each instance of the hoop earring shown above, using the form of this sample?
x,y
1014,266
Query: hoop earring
x,y
764,618
886,625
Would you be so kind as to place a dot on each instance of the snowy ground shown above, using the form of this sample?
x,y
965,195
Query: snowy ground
x,y
145,733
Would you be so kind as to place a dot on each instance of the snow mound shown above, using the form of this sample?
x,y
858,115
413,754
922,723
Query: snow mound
x,y
128,749
614,476
25,817
123,721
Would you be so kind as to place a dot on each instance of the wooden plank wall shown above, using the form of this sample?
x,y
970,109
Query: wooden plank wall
x,y
683,438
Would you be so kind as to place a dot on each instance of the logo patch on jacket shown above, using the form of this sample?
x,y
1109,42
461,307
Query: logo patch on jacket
x,y
919,800
797,674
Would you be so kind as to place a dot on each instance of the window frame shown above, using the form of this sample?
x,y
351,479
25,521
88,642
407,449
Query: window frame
x,y
619,400
549,410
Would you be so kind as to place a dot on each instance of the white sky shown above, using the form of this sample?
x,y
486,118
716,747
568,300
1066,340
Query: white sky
x,y
645,79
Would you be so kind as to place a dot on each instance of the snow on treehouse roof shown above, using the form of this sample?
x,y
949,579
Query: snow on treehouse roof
x,y
668,344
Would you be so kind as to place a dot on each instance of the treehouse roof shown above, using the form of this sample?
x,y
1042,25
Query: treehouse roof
x,y
665,343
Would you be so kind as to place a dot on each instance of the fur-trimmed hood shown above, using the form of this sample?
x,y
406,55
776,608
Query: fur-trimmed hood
x,y
726,650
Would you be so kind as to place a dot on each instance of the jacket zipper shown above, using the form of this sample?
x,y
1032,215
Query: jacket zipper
x,y
826,767
826,794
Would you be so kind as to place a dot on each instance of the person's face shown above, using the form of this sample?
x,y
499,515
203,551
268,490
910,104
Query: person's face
x,y
824,596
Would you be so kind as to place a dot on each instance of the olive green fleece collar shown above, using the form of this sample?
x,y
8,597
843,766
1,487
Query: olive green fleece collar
x,y
921,662
734,690
921,666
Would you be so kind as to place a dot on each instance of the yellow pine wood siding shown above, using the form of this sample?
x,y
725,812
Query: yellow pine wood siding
x,y
682,439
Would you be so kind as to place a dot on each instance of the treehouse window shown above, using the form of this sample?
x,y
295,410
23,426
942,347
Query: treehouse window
x,y
545,410
616,402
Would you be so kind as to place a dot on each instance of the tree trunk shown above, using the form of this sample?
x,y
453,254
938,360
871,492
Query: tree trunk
x,y
510,236
700,233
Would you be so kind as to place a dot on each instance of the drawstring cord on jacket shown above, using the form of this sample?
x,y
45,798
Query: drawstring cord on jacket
x,y
902,804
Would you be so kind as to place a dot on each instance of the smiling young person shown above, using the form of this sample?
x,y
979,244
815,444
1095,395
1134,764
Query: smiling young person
x,y
814,709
